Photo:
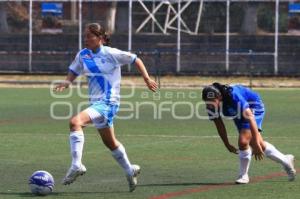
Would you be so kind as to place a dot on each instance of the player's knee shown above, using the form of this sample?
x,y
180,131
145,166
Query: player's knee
x,y
243,144
75,122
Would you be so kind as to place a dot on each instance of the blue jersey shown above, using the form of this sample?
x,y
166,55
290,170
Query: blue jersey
x,y
242,98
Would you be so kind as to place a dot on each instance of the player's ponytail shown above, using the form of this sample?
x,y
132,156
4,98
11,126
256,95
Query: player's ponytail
x,y
216,90
106,38
225,91
99,31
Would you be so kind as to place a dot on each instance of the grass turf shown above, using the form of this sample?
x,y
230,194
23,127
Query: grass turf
x,y
175,155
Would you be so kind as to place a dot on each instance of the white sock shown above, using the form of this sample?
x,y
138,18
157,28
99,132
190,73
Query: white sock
x,y
76,144
245,159
272,153
121,157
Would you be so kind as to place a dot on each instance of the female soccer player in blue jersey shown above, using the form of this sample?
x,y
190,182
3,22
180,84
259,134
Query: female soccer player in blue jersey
x,y
247,110
102,66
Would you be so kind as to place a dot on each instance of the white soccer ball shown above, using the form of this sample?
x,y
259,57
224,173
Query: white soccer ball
x,y
41,183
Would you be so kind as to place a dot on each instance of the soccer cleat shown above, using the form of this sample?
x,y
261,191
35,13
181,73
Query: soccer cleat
x,y
242,179
132,180
72,174
290,169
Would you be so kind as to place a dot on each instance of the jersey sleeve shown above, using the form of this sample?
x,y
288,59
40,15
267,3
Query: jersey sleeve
x,y
76,66
122,57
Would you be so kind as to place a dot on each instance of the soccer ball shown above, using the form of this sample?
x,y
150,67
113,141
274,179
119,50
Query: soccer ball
x,y
41,183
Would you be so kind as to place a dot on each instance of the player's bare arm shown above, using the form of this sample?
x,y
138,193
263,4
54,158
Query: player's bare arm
x,y
223,135
151,84
66,83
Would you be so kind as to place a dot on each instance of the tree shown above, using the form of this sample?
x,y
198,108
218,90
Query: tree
x,y
111,17
3,18
249,25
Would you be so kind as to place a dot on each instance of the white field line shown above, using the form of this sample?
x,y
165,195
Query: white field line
x,y
130,146
194,136
155,136
99,151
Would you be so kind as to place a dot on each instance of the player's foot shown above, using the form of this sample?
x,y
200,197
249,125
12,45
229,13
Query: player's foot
x,y
242,179
290,168
72,174
132,180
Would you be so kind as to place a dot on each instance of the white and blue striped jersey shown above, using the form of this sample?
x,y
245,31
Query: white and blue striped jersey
x,y
103,72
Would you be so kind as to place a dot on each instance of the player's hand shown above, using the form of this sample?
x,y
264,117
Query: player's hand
x,y
232,149
257,152
151,84
61,87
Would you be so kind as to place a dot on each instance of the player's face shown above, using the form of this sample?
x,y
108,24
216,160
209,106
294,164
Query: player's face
x,y
91,41
213,104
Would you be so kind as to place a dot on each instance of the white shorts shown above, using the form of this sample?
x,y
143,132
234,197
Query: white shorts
x,y
102,114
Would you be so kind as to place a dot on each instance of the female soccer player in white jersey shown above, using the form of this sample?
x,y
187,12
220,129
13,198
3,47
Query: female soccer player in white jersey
x,y
246,108
102,66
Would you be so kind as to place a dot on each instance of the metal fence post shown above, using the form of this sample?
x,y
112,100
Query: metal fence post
x,y
157,56
129,31
30,38
80,24
227,35
251,68
178,67
276,38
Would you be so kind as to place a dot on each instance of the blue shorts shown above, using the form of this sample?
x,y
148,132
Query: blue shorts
x,y
102,114
244,124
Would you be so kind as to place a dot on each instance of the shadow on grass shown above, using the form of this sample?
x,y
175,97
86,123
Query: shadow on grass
x,y
78,193
187,184
58,194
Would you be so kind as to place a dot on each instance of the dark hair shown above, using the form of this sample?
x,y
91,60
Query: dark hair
x,y
99,31
216,90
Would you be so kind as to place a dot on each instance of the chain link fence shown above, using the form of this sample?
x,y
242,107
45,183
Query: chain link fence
x,y
192,37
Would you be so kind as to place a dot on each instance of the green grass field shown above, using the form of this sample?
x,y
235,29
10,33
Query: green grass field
x,y
179,158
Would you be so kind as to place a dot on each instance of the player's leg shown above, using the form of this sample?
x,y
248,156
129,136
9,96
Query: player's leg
x,y
245,154
77,137
287,161
118,152
117,149
76,146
